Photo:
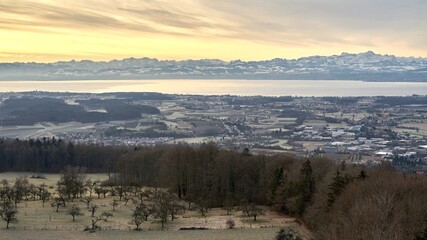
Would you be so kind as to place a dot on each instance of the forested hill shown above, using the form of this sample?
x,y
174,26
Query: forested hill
x,y
363,66
30,110
337,201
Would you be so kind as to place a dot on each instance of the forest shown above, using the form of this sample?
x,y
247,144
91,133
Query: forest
x,y
28,111
335,200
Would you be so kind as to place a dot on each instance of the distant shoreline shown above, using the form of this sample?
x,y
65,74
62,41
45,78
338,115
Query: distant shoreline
x,y
240,87
209,79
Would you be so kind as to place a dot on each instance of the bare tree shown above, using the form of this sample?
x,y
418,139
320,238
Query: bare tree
x,y
44,194
138,218
5,191
174,206
144,209
93,208
255,211
8,213
161,206
58,202
74,211
244,207
228,205
89,185
104,191
88,201
103,217
114,203
127,198
106,215
71,183
20,189
120,191
98,191
202,207
33,191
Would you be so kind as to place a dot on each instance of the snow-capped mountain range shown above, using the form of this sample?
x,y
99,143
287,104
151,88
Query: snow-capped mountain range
x,y
363,66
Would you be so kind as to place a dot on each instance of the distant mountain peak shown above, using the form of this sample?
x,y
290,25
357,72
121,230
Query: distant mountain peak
x,y
367,66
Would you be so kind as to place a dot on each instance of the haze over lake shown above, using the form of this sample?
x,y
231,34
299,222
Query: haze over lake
x,y
223,87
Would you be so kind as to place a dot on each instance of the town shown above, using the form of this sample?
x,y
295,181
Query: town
x,y
357,130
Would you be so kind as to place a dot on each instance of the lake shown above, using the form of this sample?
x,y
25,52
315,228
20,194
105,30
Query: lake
x,y
221,87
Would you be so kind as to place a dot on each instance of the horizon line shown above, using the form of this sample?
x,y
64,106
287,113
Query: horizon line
x,y
217,59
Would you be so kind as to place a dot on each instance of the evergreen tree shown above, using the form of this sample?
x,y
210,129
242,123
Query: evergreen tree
x,y
305,187
276,182
339,182
362,175
306,182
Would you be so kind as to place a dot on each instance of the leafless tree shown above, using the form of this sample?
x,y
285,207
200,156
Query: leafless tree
x,y
103,217
88,201
8,213
74,211
138,217
58,202
114,204
89,185
71,184
255,211
93,208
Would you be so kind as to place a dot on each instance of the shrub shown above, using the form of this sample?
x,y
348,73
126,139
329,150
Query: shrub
x,y
230,223
287,234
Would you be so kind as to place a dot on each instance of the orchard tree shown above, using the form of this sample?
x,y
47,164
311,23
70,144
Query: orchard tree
x,y
228,205
173,205
255,211
5,191
138,217
144,209
93,208
44,195
120,191
161,201
89,186
202,207
98,191
20,189
114,204
58,202
103,217
74,211
71,183
87,201
8,213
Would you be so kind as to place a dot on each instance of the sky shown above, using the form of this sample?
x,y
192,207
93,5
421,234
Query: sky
x,y
54,30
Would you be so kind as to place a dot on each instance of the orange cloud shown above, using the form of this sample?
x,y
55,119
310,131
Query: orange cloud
x,y
50,30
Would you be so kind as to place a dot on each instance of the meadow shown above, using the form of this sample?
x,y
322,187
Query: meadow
x,y
35,221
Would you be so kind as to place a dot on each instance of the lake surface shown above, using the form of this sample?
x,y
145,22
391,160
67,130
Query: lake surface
x,y
220,87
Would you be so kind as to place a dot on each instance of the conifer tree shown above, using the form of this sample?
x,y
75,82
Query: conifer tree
x,y
339,182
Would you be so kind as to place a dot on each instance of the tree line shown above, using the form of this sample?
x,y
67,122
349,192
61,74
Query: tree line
x,y
53,155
